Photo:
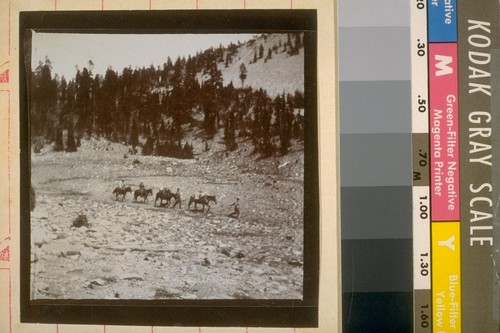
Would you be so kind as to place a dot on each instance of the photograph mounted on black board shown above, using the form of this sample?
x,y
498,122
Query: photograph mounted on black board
x,y
169,160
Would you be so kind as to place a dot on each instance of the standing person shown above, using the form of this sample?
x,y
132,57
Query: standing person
x,y
122,184
236,213
177,198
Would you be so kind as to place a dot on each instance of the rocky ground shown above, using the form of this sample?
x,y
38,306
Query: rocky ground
x,y
136,250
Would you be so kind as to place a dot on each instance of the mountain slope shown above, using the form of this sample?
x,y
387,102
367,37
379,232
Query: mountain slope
x,y
281,73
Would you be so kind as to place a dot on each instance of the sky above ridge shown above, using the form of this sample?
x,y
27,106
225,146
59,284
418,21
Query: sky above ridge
x,y
67,51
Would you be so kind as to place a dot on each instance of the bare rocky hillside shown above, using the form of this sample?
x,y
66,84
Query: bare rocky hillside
x,y
136,250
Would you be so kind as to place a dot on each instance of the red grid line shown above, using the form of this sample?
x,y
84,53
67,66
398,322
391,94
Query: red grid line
x,y
10,1
102,4
9,189
291,7
10,302
8,161
197,4
8,157
104,328
149,4
55,5
244,4
57,328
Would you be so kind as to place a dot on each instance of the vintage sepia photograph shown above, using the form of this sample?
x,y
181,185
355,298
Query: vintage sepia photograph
x,y
167,166
170,166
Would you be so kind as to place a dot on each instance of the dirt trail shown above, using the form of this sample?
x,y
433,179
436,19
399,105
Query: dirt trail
x,y
135,250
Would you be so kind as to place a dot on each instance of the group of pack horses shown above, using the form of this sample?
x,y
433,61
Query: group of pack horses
x,y
165,194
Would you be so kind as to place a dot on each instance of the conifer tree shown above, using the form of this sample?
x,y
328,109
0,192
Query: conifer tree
x,y
59,145
212,94
148,148
285,121
71,145
83,82
43,99
134,135
229,131
243,74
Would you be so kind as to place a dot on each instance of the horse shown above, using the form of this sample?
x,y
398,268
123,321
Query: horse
x,y
167,195
143,193
163,195
121,191
204,200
